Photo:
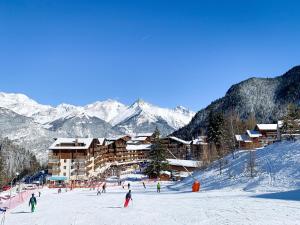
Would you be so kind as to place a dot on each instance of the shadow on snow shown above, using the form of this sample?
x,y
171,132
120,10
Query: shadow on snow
x,y
287,195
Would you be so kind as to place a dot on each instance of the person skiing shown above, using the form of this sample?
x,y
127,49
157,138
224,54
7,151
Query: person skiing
x,y
158,187
104,188
144,185
128,186
127,199
3,210
98,192
32,203
40,194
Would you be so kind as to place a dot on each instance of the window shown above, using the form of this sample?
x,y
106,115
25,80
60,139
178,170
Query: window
x,y
65,174
65,160
65,167
72,167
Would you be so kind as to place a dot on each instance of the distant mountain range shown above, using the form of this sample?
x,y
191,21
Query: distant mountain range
x,y
265,98
34,125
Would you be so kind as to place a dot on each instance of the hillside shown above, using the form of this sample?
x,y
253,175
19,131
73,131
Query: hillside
x,y
265,98
277,169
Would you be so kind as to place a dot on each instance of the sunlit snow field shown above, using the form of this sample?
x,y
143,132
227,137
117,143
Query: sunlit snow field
x,y
84,207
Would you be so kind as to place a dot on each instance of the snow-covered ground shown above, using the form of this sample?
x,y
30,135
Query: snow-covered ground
x,y
271,197
84,207
277,168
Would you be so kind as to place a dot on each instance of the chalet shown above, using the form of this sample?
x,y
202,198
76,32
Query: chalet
x,y
180,165
244,141
269,133
177,148
72,158
199,148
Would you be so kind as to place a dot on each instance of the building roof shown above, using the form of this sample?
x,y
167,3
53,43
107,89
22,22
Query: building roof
x,y
253,133
69,143
199,141
138,147
185,163
101,141
179,140
242,137
270,126
142,138
144,134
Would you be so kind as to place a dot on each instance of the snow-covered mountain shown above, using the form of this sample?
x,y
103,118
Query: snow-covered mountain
x,y
142,116
34,125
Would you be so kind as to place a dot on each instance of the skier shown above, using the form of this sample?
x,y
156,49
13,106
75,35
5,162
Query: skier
x,y
127,198
144,185
3,210
98,192
104,188
123,185
32,202
39,194
158,187
128,186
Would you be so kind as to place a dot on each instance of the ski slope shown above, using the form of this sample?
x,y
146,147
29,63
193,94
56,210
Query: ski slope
x,y
84,207
277,168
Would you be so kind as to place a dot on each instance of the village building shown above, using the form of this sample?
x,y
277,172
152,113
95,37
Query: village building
x,y
177,148
72,159
269,133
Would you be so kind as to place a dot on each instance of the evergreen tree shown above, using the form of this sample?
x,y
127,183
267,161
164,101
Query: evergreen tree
x,y
291,122
157,158
216,134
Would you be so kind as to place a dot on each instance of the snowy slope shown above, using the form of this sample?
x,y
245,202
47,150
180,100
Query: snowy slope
x,y
84,207
277,169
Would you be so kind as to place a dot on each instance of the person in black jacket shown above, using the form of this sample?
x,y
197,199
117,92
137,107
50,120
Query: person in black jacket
x,y
127,198
32,202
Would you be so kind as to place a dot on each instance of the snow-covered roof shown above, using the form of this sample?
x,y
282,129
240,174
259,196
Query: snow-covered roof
x,y
101,140
199,141
243,137
138,147
142,138
185,163
144,134
116,137
69,143
253,133
165,173
180,140
270,126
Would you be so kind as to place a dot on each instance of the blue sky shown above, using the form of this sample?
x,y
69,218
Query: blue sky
x,y
166,52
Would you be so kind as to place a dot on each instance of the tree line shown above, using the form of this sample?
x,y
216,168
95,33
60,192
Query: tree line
x,y
14,159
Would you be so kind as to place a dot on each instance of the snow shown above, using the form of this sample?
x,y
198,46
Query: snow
x,y
277,168
138,138
138,147
243,137
85,141
253,134
267,126
144,134
82,207
185,163
175,118
179,140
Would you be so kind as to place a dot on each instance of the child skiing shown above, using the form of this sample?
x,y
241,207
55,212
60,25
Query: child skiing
x,y
158,187
32,203
127,199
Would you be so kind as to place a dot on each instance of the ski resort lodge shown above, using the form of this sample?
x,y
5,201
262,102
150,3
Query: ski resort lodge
x,y
82,159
